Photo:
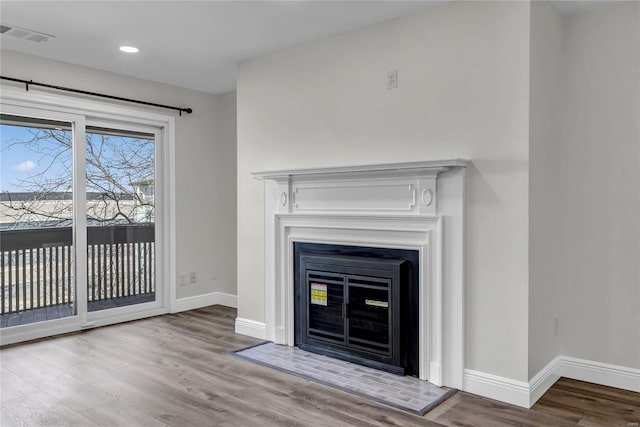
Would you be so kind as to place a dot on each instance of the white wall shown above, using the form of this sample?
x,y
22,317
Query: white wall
x,y
547,187
585,185
463,91
205,162
600,301
223,211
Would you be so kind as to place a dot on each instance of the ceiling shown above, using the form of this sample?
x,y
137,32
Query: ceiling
x,y
193,44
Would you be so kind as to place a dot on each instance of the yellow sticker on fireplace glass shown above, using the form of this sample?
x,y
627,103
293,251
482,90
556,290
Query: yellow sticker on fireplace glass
x,y
318,294
375,303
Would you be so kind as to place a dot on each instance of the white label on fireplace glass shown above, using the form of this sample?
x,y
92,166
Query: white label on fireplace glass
x,y
318,294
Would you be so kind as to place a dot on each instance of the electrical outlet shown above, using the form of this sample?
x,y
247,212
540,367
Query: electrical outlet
x,y
214,274
192,277
556,325
392,79
182,279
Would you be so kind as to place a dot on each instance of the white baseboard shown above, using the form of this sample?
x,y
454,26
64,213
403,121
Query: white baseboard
x,y
228,300
583,370
495,387
251,328
525,394
600,373
543,380
205,300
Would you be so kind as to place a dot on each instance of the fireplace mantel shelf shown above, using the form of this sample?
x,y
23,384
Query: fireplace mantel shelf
x,y
407,167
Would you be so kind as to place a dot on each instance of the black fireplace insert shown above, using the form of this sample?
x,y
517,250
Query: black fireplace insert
x,y
358,304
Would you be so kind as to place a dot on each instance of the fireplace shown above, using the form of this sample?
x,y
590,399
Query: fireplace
x,y
358,304
416,207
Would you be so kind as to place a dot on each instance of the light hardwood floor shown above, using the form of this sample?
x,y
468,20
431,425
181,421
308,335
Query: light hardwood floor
x,y
174,370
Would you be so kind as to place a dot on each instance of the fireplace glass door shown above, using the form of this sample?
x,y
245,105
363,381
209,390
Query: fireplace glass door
x,y
369,314
350,309
326,296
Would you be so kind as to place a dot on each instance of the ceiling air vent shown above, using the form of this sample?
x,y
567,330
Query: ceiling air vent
x,y
23,33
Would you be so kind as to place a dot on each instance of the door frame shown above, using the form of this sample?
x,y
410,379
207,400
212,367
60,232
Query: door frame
x,y
80,112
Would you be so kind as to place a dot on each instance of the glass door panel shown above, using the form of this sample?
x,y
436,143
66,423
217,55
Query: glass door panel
x,y
120,212
36,220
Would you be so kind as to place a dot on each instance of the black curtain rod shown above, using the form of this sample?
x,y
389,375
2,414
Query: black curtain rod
x,y
28,83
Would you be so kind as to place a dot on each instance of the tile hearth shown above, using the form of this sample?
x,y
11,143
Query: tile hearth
x,y
406,393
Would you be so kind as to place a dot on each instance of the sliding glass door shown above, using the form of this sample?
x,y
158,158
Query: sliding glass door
x,y
37,272
78,214
120,209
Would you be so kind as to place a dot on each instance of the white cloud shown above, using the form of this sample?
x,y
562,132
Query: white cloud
x,y
25,166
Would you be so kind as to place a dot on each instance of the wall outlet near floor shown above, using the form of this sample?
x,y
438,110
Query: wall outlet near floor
x,y
214,274
182,279
556,325
192,277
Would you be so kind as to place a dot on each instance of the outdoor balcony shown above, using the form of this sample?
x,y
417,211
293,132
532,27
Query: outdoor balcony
x,y
37,271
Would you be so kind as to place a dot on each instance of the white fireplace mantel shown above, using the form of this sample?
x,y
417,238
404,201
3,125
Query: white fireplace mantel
x,y
407,167
416,206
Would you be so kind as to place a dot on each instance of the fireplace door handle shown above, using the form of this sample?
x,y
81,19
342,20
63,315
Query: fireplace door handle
x,y
345,310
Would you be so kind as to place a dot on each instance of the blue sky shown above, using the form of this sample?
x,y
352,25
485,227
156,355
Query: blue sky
x,y
19,161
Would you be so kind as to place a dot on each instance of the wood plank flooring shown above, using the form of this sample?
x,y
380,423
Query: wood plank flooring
x,y
174,370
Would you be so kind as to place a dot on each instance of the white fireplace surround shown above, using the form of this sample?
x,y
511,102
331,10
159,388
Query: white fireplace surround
x,y
415,206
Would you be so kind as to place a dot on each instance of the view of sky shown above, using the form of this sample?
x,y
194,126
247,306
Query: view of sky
x,y
19,162
47,161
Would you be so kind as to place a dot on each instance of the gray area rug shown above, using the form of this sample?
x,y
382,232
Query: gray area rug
x,y
406,393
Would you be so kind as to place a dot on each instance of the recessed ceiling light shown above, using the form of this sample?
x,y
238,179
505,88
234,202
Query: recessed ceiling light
x,y
129,49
